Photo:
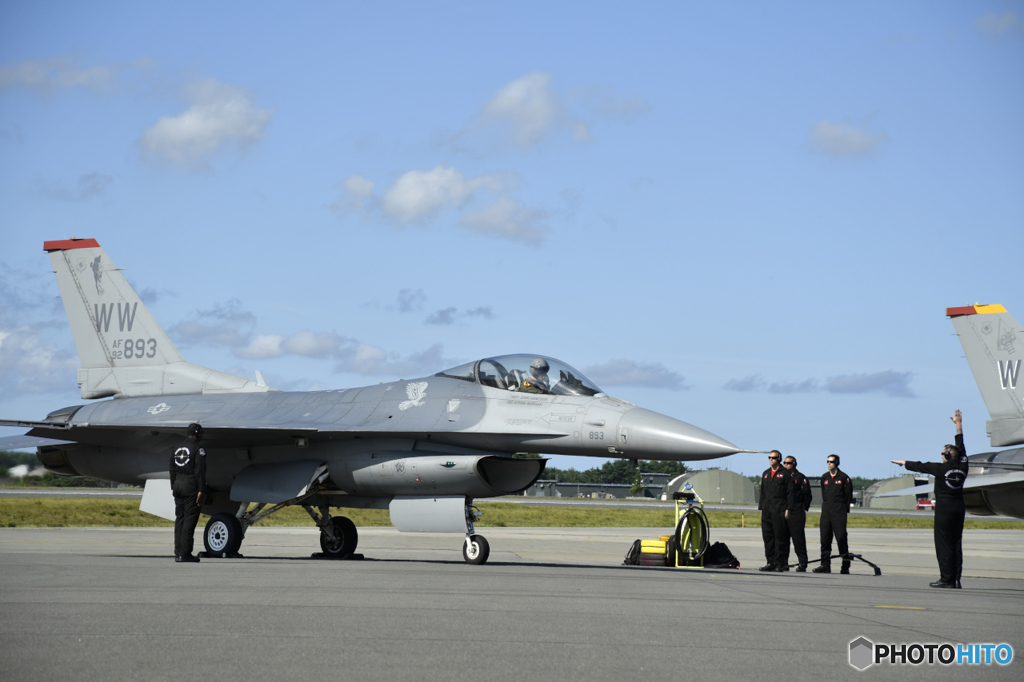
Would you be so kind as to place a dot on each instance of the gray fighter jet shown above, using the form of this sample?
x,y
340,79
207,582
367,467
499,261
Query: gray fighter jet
x,y
993,343
423,448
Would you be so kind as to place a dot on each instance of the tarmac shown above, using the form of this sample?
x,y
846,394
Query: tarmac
x,y
551,604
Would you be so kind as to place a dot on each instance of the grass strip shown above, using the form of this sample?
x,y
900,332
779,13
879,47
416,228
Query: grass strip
x,y
44,512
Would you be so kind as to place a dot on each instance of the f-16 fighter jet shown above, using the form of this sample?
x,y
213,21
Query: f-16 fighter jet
x,y
424,449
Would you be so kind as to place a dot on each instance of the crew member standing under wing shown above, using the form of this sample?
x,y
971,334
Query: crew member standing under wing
x,y
776,498
950,476
836,495
798,512
188,483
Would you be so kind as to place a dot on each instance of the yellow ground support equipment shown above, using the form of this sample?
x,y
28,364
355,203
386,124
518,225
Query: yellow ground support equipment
x,y
692,530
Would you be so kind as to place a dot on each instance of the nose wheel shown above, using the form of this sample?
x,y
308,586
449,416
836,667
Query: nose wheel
x,y
476,550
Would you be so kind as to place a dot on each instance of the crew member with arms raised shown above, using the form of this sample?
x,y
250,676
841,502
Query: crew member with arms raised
x,y
950,476
836,495
777,493
188,483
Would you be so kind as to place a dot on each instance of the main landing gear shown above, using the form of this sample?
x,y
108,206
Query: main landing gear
x,y
338,535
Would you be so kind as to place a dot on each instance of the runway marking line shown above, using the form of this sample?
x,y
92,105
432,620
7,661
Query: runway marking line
x,y
911,608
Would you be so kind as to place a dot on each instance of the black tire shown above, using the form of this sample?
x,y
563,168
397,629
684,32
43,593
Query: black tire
x,y
476,550
223,534
347,538
670,552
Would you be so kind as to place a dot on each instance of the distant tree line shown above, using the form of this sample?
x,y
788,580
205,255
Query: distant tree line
x,y
858,481
611,471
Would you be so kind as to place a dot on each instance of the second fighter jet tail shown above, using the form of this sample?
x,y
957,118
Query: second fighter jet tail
x,y
993,342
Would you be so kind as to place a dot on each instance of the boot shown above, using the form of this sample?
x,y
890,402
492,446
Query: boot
x,y
823,569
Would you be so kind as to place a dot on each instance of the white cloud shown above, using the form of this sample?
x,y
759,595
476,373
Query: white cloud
x,y
842,139
29,365
621,372
528,110
995,25
892,383
749,383
88,186
225,323
785,387
418,194
262,346
218,115
410,300
355,192
445,316
509,219
529,106
53,73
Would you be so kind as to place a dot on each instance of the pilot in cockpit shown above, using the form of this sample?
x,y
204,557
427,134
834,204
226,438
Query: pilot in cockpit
x,y
538,381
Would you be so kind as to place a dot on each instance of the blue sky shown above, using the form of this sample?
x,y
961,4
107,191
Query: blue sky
x,y
750,218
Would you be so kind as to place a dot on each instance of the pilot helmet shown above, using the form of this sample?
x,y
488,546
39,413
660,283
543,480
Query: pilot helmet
x,y
540,364
195,430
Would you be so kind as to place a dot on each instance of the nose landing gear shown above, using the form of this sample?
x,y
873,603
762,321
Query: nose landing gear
x,y
475,550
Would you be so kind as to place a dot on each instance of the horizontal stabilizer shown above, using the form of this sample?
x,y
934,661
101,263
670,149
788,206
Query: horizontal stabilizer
x,y
27,441
972,482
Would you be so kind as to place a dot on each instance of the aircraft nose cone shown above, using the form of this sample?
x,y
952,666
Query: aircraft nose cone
x,y
649,435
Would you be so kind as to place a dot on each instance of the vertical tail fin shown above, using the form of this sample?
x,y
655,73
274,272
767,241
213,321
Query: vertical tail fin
x,y
994,345
124,351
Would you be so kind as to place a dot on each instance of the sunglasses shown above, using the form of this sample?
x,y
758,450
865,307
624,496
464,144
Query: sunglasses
x,y
832,461
773,459
789,464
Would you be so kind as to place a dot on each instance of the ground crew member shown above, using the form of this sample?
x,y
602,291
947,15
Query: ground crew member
x,y
798,512
836,495
188,483
950,476
777,493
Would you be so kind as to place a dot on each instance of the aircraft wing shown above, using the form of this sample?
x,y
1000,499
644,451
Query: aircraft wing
x,y
972,483
27,441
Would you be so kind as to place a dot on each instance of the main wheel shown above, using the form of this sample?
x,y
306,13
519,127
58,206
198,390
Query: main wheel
x,y
476,550
223,534
345,538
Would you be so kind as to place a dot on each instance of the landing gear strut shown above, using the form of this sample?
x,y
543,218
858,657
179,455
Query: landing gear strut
x,y
476,549
338,535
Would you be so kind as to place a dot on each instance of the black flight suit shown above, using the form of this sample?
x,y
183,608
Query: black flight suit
x,y
836,495
188,479
777,493
949,511
798,515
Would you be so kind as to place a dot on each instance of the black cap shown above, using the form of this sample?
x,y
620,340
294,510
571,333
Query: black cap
x,y
196,431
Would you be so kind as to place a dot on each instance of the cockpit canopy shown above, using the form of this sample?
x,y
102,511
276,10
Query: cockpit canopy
x,y
526,374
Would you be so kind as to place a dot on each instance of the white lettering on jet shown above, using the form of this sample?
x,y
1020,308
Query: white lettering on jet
x,y
1009,370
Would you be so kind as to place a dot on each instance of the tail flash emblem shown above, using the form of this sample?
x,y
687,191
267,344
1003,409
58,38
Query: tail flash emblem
x,y
1009,370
